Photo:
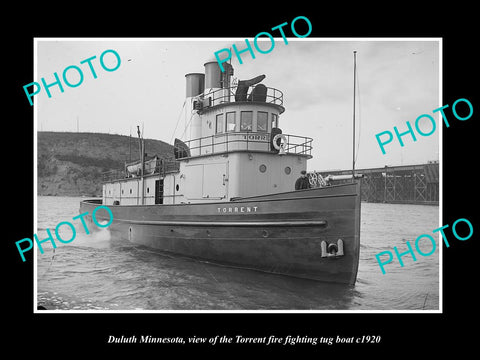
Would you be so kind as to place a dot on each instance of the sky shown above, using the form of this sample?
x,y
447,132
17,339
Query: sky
x,y
397,81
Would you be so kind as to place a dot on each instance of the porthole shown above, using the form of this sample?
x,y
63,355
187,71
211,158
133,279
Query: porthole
x,y
130,191
177,187
148,190
288,170
263,168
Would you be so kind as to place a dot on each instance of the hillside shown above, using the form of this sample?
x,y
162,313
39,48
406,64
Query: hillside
x,y
71,164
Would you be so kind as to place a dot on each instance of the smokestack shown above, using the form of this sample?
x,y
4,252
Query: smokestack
x,y
195,84
215,80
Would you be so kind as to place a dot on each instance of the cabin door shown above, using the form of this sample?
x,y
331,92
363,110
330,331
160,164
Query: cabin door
x,y
215,181
159,191
206,181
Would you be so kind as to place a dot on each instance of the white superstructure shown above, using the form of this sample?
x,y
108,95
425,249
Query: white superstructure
x,y
235,148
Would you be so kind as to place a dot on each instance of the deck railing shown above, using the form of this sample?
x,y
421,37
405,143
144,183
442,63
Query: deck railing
x,y
221,143
230,94
247,141
162,166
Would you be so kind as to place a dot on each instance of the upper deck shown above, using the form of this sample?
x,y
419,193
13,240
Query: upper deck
x,y
239,118
216,145
244,141
254,94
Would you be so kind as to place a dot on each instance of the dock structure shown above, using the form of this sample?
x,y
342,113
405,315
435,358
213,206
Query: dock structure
x,y
406,184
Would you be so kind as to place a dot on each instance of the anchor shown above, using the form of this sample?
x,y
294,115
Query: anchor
x,y
332,250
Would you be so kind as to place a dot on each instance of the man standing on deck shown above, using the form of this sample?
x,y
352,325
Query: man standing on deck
x,y
302,182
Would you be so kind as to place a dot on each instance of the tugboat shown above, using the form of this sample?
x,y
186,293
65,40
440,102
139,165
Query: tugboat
x,y
228,194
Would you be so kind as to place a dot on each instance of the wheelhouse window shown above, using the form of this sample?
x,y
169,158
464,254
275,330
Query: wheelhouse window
x,y
231,126
262,118
274,121
246,120
219,124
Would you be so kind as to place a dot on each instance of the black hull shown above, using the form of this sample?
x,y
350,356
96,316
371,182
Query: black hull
x,y
286,233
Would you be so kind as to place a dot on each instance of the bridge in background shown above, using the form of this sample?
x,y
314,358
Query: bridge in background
x,y
409,184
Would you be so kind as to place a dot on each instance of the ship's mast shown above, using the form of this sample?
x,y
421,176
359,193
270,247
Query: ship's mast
x,y
141,145
354,82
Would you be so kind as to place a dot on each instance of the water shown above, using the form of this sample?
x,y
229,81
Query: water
x,y
94,272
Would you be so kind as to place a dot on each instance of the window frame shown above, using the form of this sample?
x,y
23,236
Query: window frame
x,y
274,119
251,120
266,121
220,120
234,121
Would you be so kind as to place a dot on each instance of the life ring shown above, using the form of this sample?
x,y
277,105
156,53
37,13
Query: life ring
x,y
275,139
